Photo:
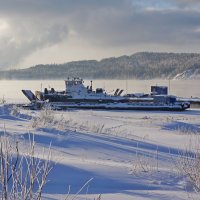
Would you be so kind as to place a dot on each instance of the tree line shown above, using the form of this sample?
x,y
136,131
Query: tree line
x,y
145,65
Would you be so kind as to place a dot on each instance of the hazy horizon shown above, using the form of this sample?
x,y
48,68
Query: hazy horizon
x,y
98,60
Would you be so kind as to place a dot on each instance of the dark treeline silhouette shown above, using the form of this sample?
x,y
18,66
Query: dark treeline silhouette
x,y
138,66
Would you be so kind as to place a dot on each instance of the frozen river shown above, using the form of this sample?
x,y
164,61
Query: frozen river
x,y
10,90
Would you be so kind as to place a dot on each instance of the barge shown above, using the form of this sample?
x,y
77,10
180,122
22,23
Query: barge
x,y
77,95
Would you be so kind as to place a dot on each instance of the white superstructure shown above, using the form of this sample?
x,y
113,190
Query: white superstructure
x,y
75,88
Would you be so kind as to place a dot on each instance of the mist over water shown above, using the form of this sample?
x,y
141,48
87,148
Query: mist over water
x,y
10,90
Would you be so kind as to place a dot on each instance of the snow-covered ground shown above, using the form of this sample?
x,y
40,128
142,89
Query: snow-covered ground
x,y
127,154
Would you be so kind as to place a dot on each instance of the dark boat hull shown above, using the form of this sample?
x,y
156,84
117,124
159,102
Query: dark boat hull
x,y
145,107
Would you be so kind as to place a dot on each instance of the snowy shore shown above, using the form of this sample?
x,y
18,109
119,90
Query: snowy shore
x,y
127,154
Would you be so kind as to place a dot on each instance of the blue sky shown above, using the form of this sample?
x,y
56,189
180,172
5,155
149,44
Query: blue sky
x,y
49,31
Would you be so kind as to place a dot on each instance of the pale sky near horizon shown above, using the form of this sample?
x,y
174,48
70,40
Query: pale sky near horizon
x,y
49,31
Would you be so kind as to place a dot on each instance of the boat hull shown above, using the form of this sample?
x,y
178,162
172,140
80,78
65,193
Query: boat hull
x,y
122,106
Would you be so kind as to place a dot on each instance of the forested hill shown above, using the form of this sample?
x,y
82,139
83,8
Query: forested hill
x,y
138,66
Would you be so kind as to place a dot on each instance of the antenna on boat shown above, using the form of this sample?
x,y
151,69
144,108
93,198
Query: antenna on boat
x,y
127,78
126,86
91,85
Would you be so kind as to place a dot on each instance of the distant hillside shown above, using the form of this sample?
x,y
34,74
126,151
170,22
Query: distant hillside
x,y
192,73
137,66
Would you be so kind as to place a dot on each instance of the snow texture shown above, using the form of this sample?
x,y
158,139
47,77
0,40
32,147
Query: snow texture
x,y
128,154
